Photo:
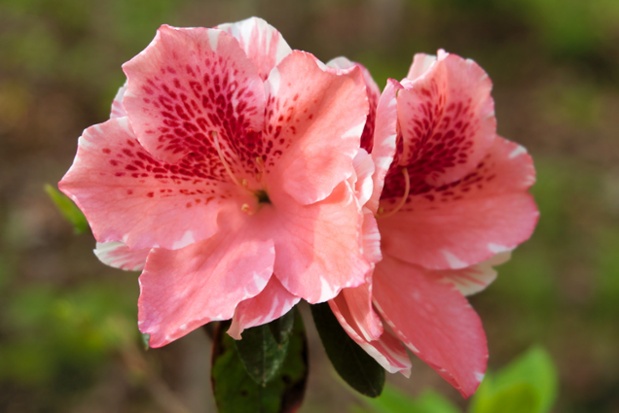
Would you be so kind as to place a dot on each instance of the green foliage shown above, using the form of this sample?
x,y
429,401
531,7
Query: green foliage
x,y
351,362
263,349
528,384
394,401
236,391
62,335
68,209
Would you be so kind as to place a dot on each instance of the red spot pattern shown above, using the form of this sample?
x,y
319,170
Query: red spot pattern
x,y
197,103
186,177
190,105
473,182
439,136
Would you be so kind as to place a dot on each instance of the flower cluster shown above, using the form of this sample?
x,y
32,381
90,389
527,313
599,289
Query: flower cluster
x,y
241,176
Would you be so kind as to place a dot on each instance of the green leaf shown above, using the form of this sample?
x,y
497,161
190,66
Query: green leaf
x,y
351,362
236,392
263,349
394,401
68,209
527,384
282,327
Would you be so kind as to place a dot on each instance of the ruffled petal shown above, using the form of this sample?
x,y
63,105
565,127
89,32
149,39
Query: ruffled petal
x,y
470,220
130,197
446,118
476,278
184,289
353,309
118,255
194,92
384,140
262,43
434,321
272,303
315,119
342,65
319,247
389,352
118,109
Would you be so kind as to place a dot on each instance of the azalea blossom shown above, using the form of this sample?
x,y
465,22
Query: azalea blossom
x,y
227,174
453,204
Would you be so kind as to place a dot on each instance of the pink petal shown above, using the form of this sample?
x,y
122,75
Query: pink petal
x,y
446,118
379,344
118,255
389,352
342,65
118,109
184,289
434,321
470,220
315,119
471,280
272,303
262,43
319,247
353,308
362,179
193,91
384,139
128,196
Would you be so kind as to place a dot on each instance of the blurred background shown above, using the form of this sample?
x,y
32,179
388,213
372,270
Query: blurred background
x,y
68,337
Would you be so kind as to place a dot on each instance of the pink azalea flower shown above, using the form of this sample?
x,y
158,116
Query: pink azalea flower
x,y
227,174
454,203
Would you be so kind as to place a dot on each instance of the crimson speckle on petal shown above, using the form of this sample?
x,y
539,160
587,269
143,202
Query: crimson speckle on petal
x,y
224,168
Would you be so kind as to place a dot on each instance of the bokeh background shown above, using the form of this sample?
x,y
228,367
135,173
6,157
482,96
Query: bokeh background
x,y
68,338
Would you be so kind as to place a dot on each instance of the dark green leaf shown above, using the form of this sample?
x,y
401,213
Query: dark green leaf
x,y
236,392
261,354
351,362
282,327
68,209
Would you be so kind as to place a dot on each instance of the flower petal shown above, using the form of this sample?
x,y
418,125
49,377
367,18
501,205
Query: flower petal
x,y
384,140
194,91
319,247
446,117
129,196
272,303
434,321
341,65
262,43
118,255
118,109
315,119
471,280
470,220
353,309
184,289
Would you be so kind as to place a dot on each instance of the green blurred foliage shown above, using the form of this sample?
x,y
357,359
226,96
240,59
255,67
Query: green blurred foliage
x,y
528,384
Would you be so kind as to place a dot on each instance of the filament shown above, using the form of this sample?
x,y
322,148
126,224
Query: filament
x,y
402,202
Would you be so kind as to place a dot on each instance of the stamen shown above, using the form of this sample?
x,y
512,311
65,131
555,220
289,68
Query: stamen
x,y
402,202
215,136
